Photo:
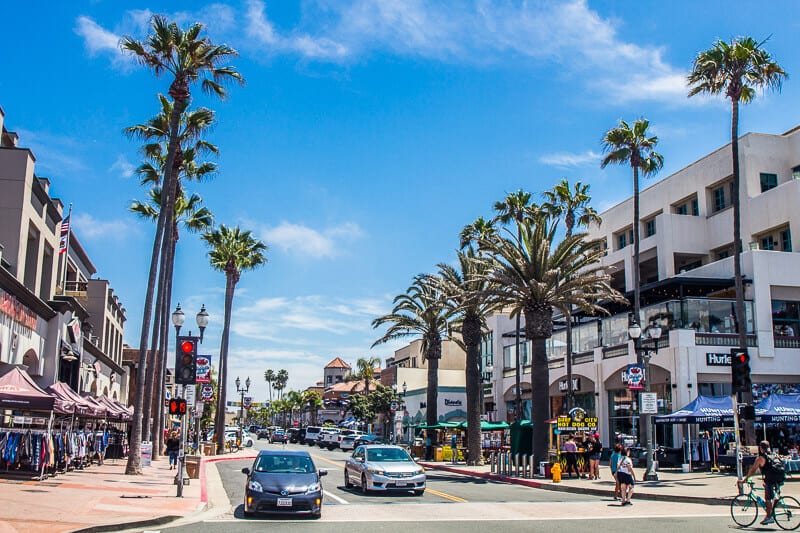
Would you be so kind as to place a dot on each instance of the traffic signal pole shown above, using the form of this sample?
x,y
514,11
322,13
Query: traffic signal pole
x,y
181,449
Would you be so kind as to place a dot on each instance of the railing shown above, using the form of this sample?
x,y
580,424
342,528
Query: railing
x,y
556,363
583,357
619,350
784,341
722,339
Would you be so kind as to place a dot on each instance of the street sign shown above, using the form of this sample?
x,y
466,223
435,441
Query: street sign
x,y
204,369
189,395
206,393
649,403
198,409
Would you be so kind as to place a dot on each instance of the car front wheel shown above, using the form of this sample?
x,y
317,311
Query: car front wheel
x,y
347,483
364,489
419,492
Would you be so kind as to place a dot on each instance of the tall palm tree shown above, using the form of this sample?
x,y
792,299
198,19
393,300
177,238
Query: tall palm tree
x,y
281,380
517,207
366,370
420,311
736,69
573,205
187,58
467,295
634,146
475,231
195,218
313,401
269,377
233,251
535,276
295,401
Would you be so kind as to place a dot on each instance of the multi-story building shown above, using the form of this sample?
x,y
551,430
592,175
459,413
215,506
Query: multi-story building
x,y
687,288
337,371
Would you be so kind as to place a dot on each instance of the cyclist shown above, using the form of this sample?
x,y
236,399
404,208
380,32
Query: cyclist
x,y
772,480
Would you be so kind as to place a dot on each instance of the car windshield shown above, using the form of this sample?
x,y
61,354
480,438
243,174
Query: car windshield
x,y
284,464
388,455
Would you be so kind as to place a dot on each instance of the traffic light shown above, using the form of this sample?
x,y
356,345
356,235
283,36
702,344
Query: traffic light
x,y
740,371
186,361
177,406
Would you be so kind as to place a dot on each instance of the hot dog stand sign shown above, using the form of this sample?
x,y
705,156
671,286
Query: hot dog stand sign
x,y
576,420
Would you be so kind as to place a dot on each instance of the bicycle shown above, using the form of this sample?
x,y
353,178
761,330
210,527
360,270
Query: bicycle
x,y
785,512
231,446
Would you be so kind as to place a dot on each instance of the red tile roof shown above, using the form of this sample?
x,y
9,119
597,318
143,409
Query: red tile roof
x,y
337,363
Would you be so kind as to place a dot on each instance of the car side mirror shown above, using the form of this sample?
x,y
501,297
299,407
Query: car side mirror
x,y
246,470
360,459
323,472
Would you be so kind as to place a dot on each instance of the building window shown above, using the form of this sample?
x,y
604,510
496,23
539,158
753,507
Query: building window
x,y
723,254
796,173
510,355
329,380
768,181
786,240
623,240
650,228
695,207
785,317
719,199
682,209
768,243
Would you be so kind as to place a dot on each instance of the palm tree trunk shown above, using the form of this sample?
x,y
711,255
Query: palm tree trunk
x,y
517,374
637,343
134,464
219,429
538,328
432,396
471,333
158,441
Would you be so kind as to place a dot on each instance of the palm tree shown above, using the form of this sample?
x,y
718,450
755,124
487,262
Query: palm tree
x,y
420,311
313,401
626,145
194,218
534,276
573,205
366,370
187,58
295,400
470,302
516,207
281,380
736,69
475,231
269,377
233,251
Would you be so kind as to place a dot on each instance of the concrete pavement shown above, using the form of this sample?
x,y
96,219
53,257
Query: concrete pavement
x,y
697,487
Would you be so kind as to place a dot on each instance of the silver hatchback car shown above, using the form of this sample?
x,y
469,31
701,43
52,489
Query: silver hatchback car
x,y
378,467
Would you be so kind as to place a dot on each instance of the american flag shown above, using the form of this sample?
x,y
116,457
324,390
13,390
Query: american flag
x,y
62,245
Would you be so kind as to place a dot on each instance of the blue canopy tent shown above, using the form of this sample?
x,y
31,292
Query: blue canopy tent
x,y
779,408
701,410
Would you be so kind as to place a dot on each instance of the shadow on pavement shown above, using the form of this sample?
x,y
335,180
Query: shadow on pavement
x,y
239,513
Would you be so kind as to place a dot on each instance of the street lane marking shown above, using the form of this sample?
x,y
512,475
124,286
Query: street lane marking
x,y
337,498
446,496
334,463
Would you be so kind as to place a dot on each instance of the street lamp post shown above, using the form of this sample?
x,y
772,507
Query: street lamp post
x,y
178,318
242,391
653,332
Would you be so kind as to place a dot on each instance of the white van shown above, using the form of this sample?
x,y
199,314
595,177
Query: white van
x,y
312,432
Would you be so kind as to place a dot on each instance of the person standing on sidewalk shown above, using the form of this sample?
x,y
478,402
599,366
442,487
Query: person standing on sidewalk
x,y
570,450
626,476
613,462
595,452
173,447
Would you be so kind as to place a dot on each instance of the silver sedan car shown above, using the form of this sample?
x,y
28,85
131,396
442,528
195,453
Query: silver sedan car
x,y
381,467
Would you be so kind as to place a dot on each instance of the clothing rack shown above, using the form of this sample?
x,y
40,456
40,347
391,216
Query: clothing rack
x,y
19,432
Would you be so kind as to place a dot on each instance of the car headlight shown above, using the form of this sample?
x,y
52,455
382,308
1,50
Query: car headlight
x,y
419,471
378,471
314,487
255,486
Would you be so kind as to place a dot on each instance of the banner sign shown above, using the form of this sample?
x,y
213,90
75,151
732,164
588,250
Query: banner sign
x,y
203,369
206,393
17,311
248,402
576,420
635,377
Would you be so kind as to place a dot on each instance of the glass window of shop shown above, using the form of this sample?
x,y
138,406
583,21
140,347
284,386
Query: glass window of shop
x,y
623,411
714,389
487,349
715,316
585,337
615,330
786,317
558,404
526,410
510,355
556,345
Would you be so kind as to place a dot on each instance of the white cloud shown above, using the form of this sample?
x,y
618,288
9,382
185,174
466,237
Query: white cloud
x,y
302,240
56,154
123,167
90,228
96,38
567,159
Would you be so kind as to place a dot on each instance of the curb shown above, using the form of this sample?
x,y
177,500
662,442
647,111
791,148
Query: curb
x,y
158,521
577,490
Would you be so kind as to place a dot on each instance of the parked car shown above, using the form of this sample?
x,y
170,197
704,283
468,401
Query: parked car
x,y
233,436
312,432
247,439
263,433
328,437
285,482
254,429
368,439
384,468
278,435
296,435
348,442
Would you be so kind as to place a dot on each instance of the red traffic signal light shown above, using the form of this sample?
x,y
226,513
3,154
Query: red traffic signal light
x,y
187,346
740,371
177,406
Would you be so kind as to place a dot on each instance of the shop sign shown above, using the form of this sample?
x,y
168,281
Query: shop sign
x,y
74,331
198,409
206,393
649,403
576,420
576,385
452,403
203,369
189,396
718,359
635,377
18,312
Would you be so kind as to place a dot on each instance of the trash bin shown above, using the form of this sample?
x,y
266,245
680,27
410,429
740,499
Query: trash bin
x,y
438,454
193,466
209,448
544,468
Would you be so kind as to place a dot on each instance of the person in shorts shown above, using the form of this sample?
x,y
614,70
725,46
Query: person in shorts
x,y
770,486
595,452
626,476
613,462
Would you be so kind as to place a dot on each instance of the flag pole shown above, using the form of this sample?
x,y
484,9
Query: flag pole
x,y
66,250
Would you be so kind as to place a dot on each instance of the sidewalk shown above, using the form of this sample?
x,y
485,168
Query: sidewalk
x,y
696,487
103,498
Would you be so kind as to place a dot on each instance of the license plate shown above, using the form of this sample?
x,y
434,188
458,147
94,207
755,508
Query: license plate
x,y
400,483
284,502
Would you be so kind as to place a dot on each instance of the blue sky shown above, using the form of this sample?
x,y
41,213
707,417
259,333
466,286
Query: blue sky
x,y
368,134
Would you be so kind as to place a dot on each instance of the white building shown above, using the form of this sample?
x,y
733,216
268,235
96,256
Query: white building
x,y
688,289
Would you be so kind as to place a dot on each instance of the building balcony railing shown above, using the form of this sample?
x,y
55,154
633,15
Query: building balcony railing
x,y
620,350
722,339
583,357
76,289
783,341
556,363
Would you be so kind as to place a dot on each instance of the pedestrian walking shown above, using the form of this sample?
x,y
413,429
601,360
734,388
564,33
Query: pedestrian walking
x,y
454,448
626,476
173,447
613,462
570,450
428,447
595,452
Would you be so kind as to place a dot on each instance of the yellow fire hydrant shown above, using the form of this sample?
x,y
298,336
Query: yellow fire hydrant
x,y
555,470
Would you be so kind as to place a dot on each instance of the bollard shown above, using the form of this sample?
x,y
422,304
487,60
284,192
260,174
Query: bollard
x,y
526,461
501,464
506,461
517,461
493,462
